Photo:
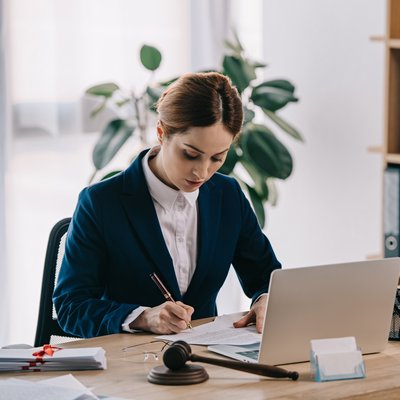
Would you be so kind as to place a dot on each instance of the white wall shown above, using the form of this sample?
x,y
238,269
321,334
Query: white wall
x,y
4,130
330,208
59,49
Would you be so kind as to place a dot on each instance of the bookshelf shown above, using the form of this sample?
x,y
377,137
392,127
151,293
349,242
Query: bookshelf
x,y
391,139
392,90
390,148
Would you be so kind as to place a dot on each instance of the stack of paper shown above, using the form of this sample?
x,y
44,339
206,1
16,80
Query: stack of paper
x,y
52,359
65,387
220,331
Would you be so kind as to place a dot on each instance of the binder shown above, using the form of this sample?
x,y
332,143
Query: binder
x,y
391,211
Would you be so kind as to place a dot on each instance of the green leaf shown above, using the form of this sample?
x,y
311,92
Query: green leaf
x,y
236,37
230,161
240,71
168,82
258,64
266,152
280,84
104,89
121,103
154,94
112,138
270,97
284,125
98,108
150,57
110,174
257,204
234,47
248,115
260,184
273,192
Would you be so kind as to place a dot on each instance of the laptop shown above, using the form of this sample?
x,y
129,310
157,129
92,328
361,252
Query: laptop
x,y
320,302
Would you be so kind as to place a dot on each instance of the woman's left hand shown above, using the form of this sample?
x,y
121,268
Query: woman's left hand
x,y
256,314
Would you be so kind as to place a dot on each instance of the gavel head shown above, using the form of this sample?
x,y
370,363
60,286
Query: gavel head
x,y
176,355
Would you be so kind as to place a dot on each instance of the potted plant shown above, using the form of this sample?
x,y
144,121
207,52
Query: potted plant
x,y
258,150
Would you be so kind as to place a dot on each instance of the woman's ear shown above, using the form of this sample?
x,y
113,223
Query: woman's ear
x,y
160,132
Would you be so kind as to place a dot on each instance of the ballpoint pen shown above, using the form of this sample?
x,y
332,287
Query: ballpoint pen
x,y
164,291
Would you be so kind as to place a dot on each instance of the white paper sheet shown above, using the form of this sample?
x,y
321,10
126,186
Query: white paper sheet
x,y
15,389
220,331
336,358
335,345
68,381
65,387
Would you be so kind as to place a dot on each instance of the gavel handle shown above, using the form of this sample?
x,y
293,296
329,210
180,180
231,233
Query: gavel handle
x,y
258,369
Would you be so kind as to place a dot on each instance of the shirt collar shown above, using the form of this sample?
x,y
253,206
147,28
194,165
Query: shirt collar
x,y
159,191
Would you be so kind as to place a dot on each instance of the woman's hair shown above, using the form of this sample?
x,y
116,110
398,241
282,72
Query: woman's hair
x,y
200,100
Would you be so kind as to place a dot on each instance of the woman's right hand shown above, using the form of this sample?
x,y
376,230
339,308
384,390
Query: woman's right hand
x,y
166,318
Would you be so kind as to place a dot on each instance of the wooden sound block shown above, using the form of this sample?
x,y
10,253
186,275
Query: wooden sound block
x,y
188,375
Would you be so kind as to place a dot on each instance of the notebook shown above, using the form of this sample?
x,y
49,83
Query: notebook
x,y
321,302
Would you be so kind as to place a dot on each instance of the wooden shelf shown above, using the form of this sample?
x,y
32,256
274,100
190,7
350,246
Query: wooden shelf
x,y
374,256
392,158
394,43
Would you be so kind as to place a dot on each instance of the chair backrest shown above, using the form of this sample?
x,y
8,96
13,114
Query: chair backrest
x,y
47,330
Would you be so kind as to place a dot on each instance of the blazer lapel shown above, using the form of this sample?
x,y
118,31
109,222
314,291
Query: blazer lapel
x,y
142,215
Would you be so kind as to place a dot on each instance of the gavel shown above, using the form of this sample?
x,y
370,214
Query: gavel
x,y
176,356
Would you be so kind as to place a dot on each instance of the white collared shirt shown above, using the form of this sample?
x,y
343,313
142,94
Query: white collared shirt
x,y
177,215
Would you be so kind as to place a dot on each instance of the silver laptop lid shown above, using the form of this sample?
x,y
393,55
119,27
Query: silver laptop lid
x,y
351,299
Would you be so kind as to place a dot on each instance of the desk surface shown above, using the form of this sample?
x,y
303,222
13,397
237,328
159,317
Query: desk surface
x,y
126,376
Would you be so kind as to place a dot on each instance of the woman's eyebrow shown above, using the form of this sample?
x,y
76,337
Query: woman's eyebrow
x,y
194,148
202,152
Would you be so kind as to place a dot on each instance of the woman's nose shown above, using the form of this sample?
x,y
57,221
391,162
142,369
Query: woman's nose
x,y
200,170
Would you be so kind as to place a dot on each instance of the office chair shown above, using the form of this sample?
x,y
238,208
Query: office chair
x,y
48,331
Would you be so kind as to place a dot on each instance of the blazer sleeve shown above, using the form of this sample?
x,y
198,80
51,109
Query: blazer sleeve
x,y
254,259
79,297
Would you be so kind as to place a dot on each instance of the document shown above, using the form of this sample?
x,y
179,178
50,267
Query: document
x,y
220,331
52,358
65,387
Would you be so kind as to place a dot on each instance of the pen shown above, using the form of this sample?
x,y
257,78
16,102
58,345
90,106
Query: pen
x,y
164,291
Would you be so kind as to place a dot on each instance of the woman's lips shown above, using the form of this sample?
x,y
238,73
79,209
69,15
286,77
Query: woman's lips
x,y
194,183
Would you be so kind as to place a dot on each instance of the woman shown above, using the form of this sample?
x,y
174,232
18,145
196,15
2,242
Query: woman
x,y
168,213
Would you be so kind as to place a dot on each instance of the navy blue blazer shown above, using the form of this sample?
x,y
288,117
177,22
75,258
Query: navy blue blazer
x,y
115,241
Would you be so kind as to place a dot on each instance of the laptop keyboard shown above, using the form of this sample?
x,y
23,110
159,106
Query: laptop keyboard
x,y
250,354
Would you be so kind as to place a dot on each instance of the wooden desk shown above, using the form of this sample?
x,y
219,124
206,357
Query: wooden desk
x,y
126,376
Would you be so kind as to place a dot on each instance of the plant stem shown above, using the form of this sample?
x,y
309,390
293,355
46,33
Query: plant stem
x,y
92,176
141,117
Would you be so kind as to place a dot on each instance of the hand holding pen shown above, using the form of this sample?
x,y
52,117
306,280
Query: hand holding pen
x,y
164,291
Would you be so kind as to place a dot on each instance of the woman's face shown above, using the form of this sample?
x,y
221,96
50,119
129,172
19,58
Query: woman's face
x,y
189,159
